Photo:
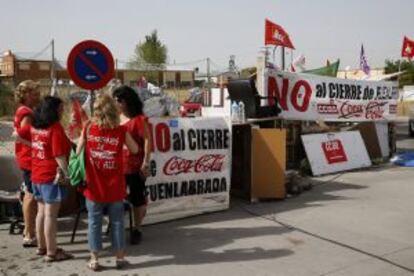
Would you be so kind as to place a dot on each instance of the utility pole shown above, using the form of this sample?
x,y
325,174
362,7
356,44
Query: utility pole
x,y
208,81
283,58
208,72
52,69
116,68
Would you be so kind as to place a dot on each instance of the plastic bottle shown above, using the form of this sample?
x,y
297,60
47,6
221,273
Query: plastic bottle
x,y
234,112
242,112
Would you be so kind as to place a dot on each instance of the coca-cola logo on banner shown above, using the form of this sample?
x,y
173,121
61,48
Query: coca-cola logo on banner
x,y
372,111
206,163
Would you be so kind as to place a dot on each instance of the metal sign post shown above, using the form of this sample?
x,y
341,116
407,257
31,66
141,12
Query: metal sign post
x,y
91,66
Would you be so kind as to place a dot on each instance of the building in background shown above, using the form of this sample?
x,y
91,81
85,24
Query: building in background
x,y
171,76
16,68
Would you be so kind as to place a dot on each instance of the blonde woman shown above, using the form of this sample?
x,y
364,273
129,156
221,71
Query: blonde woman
x,y
103,140
27,97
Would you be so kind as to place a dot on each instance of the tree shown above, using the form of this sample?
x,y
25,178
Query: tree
x,y
7,104
407,78
149,55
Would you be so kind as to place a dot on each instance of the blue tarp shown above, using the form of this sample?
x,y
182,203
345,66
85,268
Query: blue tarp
x,y
405,159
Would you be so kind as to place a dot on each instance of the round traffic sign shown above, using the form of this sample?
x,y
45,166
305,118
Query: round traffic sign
x,y
90,65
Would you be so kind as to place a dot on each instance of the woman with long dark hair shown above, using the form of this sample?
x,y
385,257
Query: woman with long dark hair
x,y
136,166
50,150
27,97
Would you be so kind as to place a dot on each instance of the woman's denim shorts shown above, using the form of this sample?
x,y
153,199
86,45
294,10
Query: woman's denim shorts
x,y
49,192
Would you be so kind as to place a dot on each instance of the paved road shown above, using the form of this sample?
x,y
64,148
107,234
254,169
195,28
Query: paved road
x,y
359,223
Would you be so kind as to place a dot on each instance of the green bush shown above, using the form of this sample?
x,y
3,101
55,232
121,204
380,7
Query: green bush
x,y
7,105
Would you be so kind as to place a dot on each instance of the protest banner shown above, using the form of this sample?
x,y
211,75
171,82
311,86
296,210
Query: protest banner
x,y
190,167
310,97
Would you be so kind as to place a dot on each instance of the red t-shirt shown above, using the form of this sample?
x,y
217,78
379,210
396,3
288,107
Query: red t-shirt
x,y
47,144
103,157
135,127
23,152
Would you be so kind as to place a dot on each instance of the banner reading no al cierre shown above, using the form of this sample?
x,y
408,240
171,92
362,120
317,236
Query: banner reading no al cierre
x,y
311,97
190,167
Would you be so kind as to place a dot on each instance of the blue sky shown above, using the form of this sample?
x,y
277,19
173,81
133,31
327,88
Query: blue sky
x,y
194,30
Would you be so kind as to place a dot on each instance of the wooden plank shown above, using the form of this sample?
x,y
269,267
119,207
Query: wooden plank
x,y
268,163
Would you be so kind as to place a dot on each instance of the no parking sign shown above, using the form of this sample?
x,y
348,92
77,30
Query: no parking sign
x,y
90,65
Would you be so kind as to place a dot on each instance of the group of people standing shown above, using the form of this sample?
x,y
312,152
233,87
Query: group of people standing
x,y
116,139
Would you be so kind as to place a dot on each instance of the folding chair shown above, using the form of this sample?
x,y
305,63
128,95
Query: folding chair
x,y
127,207
11,212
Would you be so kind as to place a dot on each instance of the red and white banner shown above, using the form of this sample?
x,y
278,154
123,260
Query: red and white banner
x,y
190,167
335,152
311,97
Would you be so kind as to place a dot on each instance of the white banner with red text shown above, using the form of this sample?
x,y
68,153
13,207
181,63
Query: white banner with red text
x,y
311,97
190,167
335,152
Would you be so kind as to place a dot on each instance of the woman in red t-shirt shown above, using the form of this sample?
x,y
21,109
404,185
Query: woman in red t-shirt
x,y
27,97
136,166
50,150
103,140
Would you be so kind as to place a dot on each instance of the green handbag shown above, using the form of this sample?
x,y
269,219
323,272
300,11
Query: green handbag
x,y
76,168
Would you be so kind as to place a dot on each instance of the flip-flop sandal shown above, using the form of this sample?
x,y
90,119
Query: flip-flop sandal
x,y
29,242
41,251
60,255
121,263
93,265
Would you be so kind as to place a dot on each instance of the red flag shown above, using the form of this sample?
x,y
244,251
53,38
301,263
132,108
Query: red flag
x,y
276,35
407,48
78,118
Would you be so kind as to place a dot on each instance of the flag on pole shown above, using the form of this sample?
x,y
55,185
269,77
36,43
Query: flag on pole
x,y
87,106
271,65
298,62
363,63
407,48
78,117
330,70
276,35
